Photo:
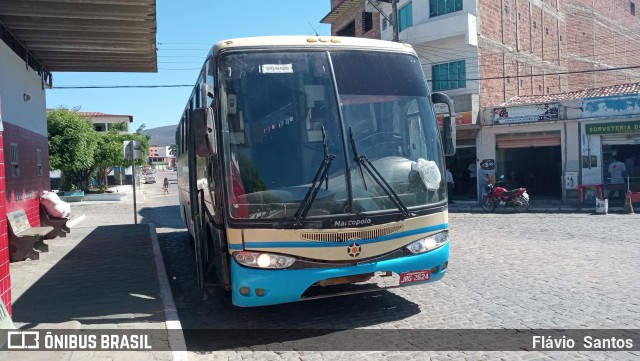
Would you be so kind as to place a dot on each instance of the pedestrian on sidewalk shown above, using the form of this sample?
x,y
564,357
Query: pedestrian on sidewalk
x,y
165,185
473,177
450,184
617,170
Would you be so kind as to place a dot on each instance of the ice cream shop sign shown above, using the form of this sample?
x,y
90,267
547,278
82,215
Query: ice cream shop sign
x,y
613,128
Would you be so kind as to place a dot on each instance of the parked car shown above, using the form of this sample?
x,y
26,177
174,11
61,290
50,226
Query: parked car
x,y
149,177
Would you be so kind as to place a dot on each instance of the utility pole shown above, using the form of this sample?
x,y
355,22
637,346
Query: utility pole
x,y
394,14
393,20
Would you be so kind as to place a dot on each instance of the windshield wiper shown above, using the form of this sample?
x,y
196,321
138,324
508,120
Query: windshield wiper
x,y
364,162
321,175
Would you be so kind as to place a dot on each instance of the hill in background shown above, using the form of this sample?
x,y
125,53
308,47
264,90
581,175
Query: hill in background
x,y
162,136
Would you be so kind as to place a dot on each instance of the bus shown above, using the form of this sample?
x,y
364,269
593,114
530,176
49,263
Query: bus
x,y
311,167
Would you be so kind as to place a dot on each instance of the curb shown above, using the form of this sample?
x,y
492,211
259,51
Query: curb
x,y
172,322
75,220
553,209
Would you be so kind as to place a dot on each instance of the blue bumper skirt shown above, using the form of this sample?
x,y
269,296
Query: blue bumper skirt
x,y
288,285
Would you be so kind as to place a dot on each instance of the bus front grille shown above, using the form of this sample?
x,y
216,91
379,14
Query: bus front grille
x,y
339,237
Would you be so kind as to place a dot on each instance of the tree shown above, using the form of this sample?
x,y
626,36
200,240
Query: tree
x,y
76,149
110,152
173,149
72,143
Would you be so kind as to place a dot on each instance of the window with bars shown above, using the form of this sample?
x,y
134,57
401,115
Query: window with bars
x,y
449,76
15,160
39,161
442,7
405,17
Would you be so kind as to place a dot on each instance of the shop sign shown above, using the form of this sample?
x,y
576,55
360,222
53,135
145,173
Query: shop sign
x,y
571,180
461,118
525,114
613,128
611,106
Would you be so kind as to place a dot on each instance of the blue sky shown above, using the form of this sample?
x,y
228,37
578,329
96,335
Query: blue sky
x,y
186,31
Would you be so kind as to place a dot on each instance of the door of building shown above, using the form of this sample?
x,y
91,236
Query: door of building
x,y
532,160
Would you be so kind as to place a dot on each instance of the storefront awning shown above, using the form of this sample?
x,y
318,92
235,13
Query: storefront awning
x,y
466,134
527,140
64,35
344,7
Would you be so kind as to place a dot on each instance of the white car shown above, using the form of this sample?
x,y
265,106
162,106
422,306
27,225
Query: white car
x,y
149,178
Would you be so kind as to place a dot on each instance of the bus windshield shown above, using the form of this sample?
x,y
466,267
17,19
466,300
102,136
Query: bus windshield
x,y
288,119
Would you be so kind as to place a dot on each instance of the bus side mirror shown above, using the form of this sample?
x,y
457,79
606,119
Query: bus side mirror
x,y
202,121
448,123
449,130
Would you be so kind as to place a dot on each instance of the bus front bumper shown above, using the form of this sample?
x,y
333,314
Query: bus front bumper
x,y
269,287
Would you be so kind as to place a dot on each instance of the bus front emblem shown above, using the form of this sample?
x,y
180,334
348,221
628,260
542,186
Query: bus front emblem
x,y
354,249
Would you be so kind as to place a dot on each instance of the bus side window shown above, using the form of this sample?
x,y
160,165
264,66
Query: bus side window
x,y
209,79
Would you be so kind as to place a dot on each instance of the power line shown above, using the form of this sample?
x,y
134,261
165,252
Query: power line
x,y
468,79
121,86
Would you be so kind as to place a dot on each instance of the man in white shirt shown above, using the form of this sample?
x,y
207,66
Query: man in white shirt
x,y
617,170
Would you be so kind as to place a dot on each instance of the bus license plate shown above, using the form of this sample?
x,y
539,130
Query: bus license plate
x,y
415,276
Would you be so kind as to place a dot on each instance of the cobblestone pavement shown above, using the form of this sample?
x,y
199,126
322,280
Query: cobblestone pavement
x,y
506,271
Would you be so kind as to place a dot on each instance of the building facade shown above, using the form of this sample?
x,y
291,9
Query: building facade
x,y
561,145
350,18
104,122
160,157
484,53
78,44
24,150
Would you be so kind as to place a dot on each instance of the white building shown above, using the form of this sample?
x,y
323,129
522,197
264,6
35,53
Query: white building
x,y
104,122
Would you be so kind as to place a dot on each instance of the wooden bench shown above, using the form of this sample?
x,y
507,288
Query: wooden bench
x,y
24,240
60,228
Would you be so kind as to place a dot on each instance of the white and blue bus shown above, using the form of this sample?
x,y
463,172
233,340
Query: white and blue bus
x,y
311,167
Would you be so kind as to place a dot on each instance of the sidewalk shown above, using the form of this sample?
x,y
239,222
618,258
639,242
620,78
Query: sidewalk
x,y
535,206
108,275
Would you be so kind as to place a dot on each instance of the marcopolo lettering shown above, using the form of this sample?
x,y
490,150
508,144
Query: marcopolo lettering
x,y
353,222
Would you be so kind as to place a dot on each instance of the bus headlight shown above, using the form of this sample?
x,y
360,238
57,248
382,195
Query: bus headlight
x,y
263,260
428,243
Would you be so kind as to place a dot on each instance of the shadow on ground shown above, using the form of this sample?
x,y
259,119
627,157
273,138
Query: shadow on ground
x,y
205,314
109,277
162,216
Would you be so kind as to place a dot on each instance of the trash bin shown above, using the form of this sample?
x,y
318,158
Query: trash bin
x,y
602,206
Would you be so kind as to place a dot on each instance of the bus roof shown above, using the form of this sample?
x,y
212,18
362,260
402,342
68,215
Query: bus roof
x,y
311,41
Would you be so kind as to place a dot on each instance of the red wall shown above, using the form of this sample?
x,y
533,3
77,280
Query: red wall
x,y
21,192
5,277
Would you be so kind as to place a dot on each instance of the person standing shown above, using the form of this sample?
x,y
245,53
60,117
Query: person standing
x,y
450,185
473,177
616,172
165,185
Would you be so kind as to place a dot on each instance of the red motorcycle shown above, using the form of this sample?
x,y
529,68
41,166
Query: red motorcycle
x,y
498,196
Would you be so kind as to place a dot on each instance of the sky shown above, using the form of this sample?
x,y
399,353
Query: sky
x,y
186,31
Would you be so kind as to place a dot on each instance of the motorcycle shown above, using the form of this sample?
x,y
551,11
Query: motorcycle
x,y
499,196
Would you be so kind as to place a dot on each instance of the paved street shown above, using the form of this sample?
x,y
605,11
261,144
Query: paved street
x,y
506,271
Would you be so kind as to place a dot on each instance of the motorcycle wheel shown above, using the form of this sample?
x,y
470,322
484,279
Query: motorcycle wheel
x,y
488,204
521,204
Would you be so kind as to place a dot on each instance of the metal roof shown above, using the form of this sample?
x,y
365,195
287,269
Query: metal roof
x,y
85,35
344,7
